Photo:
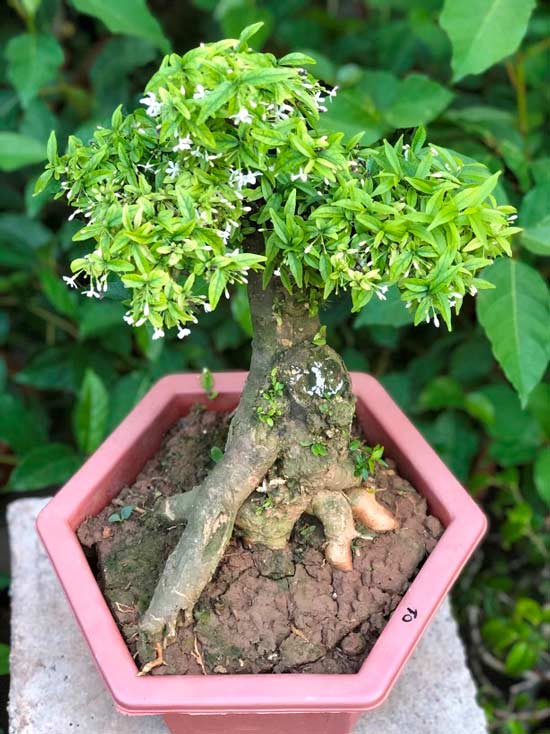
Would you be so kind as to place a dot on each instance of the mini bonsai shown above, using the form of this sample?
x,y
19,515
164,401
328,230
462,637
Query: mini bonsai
x,y
226,177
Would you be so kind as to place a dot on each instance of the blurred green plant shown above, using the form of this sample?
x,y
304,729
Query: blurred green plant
x,y
482,89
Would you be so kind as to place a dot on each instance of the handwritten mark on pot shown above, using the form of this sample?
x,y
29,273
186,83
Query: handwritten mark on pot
x,y
410,615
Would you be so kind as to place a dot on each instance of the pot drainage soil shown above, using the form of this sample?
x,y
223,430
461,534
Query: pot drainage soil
x,y
264,611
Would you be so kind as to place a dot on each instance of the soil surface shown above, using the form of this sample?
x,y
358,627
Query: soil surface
x,y
264,611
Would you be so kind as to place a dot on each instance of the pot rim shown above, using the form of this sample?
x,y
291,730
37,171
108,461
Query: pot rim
x,y
138,436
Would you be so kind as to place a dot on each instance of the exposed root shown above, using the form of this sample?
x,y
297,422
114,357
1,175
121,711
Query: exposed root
x,y
156,663
369,512
198,655
210,522
268,518
176,508
334,512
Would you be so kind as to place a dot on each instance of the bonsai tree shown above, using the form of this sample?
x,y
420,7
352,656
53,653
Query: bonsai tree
x,y
225,177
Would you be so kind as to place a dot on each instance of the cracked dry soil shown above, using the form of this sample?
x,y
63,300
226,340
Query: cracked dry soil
x,y
264,611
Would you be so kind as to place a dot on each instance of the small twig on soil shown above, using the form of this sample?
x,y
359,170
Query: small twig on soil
x,y
198,657
298,633
124,608
158,661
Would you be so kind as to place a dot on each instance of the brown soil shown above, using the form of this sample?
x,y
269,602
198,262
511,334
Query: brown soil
x,y
264,611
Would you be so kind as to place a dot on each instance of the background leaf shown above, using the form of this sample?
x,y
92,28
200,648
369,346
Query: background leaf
x,y
542,474
419,100
483,32
131,17
516,318
17,151
33,60
44,466
90,417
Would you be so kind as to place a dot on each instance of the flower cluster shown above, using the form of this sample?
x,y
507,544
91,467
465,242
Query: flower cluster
x,y
229,142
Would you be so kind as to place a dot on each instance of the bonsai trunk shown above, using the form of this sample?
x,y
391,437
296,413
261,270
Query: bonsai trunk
x,y
289,439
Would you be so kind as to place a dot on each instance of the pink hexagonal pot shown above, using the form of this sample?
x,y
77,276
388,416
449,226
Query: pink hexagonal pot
x,y
268,703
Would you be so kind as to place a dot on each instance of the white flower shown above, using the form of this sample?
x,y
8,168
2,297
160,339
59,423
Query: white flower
x,y
183,144
243,115
437,174
74,214
333,92
225,234
152,104
71,282
158,334
200,92
473,290
512,217
319,99
207,307
128,318
172,169
91,293
147,166
146,309
182,333
301,175
241,178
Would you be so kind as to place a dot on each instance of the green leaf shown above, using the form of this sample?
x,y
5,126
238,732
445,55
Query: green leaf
x,y
535,219
452,437
516,319
419,100
248,32
522,657
216,99
483,32
357,109
542,474
515,432
44,466
126,393
99,317
113,67
21,427
391,312
58,294
130,17
443,392
216,454
4,659
90,417
33,61
539,406
216,287
296,59
17,151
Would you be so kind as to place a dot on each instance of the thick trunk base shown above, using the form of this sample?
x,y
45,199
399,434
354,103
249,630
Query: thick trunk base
x,y
287,453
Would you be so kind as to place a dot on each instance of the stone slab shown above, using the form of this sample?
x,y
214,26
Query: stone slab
x,y
56,688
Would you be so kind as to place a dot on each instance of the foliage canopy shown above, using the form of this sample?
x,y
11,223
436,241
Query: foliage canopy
x,y
231,144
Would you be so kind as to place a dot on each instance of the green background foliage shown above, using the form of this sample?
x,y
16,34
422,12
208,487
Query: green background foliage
x,y
476,72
